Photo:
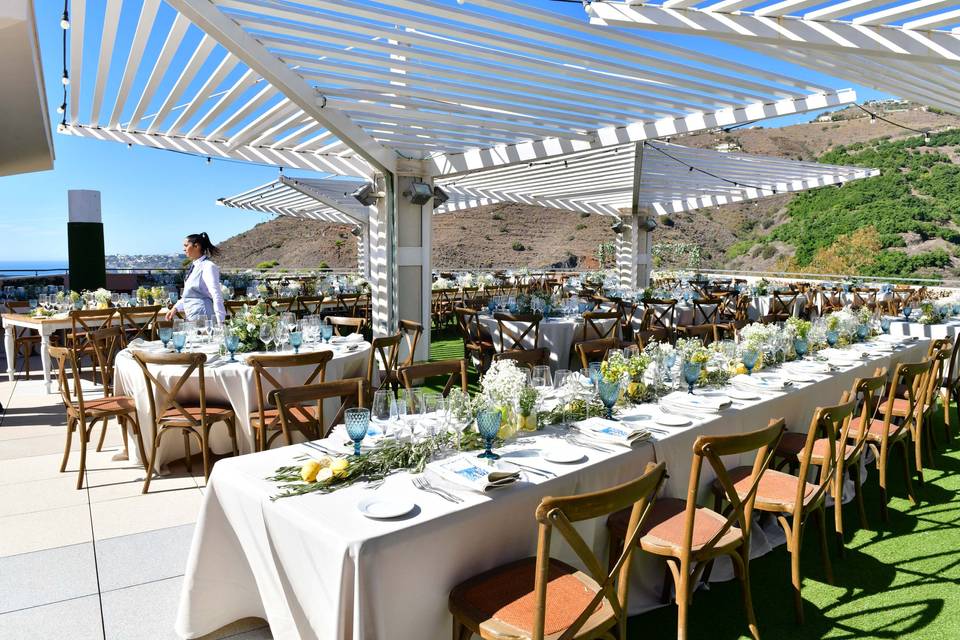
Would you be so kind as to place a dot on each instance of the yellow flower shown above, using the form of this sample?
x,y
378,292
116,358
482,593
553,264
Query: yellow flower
x,y
308,472
339,467
741,370
325,475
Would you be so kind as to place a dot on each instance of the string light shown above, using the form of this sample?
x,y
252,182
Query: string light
x,y
65,78
65,20
874,117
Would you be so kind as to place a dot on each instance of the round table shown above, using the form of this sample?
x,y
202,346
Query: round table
x,y
227,384
557,334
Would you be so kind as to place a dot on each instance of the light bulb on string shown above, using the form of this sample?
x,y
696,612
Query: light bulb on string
x,y
65,21
65,78
62,107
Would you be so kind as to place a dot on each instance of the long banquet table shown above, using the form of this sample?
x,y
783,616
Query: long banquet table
x,y
557,334
227,384
314,567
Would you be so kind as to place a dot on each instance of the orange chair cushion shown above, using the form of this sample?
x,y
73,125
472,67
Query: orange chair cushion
x,y
664,526
111,404
213,413
874,430
506,595
777,490
792,444
272,416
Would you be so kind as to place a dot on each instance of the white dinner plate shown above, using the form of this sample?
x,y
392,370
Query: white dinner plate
x,y
800,376
741,394
672,420
563,455
380,508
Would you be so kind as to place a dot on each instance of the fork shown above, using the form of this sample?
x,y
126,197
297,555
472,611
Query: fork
x,y
423,485
588,445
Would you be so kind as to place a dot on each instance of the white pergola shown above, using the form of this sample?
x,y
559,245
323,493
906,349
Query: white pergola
x,y
398,91
909,48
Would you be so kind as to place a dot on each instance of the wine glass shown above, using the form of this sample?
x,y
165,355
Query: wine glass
x,y
179,340
413,399
488,424
43,300
691,373
541,378
296,339
433,408
358,420
609,394
124,299
885,324
398,414
114,298
200,322
165,333
594,372
326,332
380,409
749,359
801,346
32,302
832,338
266,334
281,335
459,411
231,341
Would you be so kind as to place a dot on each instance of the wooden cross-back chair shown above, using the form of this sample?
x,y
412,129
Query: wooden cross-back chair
x,y
939,354
106,343
477,341
600,324
454,369
690,537
233,307
594,350
24,338
386,350
541,597
865,297
512,338
284,305
830,300
168,414
83,323
468,296
352,392
660,317
949,388
346,325
706,310
411,332
139,322
792,499
528,358
442,305
782,305
707,333
309,305
886,430
265,418
350,304
83,414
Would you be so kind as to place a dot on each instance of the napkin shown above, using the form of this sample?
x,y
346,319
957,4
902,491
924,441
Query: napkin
x,y
467,471
699,402
620,433
353,338
761,382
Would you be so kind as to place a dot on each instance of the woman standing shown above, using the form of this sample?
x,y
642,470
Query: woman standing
x,y
201,286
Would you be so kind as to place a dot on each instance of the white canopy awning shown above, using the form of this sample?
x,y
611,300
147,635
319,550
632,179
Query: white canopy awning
x,y
351,87
326,200
908,48
673,178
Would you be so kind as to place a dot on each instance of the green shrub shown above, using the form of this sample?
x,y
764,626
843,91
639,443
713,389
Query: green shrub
x,y
518,246
268,264
768,251
581,227
497,216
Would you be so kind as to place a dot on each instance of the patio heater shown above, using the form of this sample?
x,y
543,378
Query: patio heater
x,y
88,262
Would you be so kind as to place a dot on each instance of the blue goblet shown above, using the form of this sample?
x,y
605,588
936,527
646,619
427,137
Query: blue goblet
x,y
179,340
296,339
885,324
801,346
906,312
832,337
691,373
232,342
862,331
326,332
488,424
358,421
165,333
609,394
749,359
594,372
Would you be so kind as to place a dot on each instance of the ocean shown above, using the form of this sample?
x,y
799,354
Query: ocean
x,y
16,267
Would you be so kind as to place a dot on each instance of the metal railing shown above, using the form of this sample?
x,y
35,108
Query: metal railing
x,y
827,277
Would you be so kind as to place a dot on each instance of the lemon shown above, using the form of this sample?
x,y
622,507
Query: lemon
x,y
741,370
308,472
339,467
324,475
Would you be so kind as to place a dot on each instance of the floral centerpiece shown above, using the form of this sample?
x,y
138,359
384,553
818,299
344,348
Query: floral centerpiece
x,y
845,323
102,297
931,313
466,280
358,282
501,386
799,326
485,280
527,408
762,287
441,283
246,323
692,350
143,295
629,370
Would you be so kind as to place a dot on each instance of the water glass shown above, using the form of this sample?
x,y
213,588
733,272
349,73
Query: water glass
x,y
266,334
749,359
231,341
832,338
398,414
609,394
115,298
862,331
358,420
165,333
459,411
488,424
801,346
907,310
326,332
885,324
433,408
200,322
380,409
296,339
179,340
691,373
594,372
541,378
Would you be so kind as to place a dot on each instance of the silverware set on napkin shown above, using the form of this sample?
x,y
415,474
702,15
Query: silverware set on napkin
x,y
424,485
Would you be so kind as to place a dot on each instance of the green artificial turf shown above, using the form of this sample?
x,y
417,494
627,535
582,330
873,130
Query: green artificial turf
x,y
898,580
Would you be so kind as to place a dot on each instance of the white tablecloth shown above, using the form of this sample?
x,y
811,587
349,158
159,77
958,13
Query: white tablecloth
x,y
314,567
948,329
225,383
557,334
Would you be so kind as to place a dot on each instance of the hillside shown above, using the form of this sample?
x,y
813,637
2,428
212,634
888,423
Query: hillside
x,y
762,235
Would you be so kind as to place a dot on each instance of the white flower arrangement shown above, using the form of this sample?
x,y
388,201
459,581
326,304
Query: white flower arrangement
x,y
466,280
844,322
503,382
485,280
294,287
441,283
931,313
226,292
102,296
758,336
357,281
692,350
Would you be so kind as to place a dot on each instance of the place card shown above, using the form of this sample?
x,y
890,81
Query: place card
x,y
616,432
468,471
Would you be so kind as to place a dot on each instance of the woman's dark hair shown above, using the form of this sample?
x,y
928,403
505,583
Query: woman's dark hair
x,y
208,248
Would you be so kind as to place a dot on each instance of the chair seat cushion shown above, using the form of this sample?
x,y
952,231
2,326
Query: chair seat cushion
x,y
874,430
110,404
792,444
214,414
502,600
777,490
664,526
272,416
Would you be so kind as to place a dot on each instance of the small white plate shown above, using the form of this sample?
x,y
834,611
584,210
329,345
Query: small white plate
x,y
741,394
800,376
564,455
381,509
671,420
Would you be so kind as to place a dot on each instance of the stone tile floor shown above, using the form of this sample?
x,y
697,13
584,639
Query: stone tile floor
x,y
101,562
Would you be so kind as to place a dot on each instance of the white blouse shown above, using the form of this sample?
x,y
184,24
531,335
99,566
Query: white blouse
x,y
203,282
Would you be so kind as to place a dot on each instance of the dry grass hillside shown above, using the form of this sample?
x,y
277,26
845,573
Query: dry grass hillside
x,y
512,235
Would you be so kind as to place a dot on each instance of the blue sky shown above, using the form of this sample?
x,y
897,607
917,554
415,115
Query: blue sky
x,y
152,198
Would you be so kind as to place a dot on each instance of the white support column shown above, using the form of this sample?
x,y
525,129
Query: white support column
x,y
382,259
363,249
414,241
634,241
627,252
644,255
